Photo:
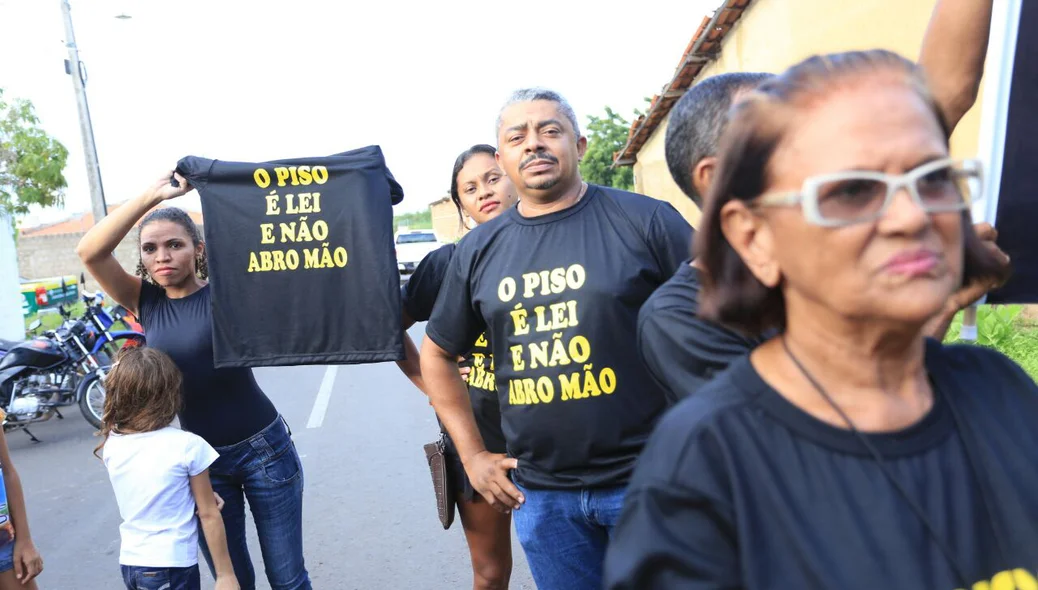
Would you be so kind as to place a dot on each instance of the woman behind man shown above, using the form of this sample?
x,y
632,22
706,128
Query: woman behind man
x,y
848,451
481,191
226,407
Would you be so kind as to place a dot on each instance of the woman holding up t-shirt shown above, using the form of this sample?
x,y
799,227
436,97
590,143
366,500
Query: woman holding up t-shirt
x,y
226,407
481,192
848,451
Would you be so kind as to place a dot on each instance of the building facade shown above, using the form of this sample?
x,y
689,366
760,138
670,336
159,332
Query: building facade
x,y
50,250
446,224
770,36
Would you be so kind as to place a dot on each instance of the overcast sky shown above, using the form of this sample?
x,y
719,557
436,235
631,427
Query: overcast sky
x,y
261,79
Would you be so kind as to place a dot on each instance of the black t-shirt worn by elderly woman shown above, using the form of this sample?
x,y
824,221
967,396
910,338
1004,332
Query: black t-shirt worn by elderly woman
x,y
223,406
739,488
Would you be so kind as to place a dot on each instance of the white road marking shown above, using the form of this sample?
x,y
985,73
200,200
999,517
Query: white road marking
x,y
324,395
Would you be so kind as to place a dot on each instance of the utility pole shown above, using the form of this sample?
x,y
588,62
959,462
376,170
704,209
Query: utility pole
x,y
74,67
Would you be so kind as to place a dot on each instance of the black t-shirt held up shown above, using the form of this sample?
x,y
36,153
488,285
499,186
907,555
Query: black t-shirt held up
x,y
681,350
303,256
223,406
418,297
558,297
739,488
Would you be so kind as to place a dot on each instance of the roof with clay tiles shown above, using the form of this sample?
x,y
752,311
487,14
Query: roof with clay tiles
x,y
704,46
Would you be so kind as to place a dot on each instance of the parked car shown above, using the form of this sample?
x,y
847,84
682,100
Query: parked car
x,y
411,247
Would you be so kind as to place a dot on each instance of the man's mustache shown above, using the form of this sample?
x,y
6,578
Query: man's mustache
x,y
541,157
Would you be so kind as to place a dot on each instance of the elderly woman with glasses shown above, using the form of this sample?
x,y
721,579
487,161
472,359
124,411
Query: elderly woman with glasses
x,y
848,451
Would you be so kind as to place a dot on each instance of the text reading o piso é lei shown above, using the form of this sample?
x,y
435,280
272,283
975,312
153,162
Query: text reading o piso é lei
x,y
554,350
303,240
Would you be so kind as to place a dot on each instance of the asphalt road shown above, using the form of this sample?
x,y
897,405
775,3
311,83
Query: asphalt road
x,y
369,514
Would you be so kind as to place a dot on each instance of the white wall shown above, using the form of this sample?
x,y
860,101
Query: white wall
x,y
12,326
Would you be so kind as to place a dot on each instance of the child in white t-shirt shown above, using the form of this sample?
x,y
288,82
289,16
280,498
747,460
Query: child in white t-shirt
x,y
161,478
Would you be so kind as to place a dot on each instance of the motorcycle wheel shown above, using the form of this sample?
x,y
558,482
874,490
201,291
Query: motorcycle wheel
x,y
92,399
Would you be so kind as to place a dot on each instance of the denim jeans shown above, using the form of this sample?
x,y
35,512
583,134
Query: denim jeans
x,y
265,470
564,534
161,578
7,557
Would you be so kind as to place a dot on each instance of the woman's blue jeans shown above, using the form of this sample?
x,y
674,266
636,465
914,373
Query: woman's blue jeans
x,y
265,470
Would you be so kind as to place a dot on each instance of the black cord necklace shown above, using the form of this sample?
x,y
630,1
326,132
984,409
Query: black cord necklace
x,y
878,457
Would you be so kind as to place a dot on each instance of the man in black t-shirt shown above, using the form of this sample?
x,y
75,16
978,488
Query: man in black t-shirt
x,y
682,351
556,283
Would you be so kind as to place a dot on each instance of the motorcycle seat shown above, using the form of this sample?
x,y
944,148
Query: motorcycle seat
x,y
8,344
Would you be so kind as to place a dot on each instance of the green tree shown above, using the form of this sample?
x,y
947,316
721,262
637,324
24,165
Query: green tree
x,y
31,162
606,136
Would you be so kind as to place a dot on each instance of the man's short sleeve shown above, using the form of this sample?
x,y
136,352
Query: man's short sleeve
x,y
670,238
662,351
683,352
454,324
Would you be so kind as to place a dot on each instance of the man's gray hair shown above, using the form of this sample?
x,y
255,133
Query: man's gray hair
x,y
528,94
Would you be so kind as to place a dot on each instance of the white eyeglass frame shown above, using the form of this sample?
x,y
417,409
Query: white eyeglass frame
x,y
807,196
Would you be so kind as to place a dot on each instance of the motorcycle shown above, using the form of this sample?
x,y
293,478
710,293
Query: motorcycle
x,y
64,367
104,320
6,345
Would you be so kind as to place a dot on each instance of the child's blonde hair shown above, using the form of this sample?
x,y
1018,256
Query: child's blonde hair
x,y
142,393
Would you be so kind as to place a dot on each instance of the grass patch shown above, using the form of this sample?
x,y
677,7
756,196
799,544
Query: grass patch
x,y
415,220
1003,328
51,321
